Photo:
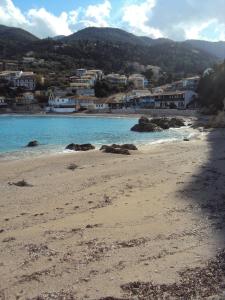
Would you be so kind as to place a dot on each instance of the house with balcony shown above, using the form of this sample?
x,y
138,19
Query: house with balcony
x,y
176,99
24,80
61,105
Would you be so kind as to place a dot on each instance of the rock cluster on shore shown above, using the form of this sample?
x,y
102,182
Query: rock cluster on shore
x,y
119,149
157,124
80,147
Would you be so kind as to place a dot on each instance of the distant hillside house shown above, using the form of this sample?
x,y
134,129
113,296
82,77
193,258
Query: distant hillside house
x,y
191,83
116,79
28,60
26,99
81,72
98,74
85,92
85,79
3,103
10,66
24,80
85,82
138,81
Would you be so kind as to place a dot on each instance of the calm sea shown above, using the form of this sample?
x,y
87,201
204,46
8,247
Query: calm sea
x,y
55,132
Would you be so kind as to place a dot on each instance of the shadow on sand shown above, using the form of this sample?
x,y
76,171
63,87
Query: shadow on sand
x,y
205,193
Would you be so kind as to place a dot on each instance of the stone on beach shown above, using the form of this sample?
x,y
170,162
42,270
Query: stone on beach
x,y
82,147
111,149
124,146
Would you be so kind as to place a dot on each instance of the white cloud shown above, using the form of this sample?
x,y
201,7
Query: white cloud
x,y
43,23
10,14
98,15
38,21
137,16
177,19
73,17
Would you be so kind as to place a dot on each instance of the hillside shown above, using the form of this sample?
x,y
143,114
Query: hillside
x,y
115,48
16,35
110,49
13,40
116,35
212,88
113,35
214,48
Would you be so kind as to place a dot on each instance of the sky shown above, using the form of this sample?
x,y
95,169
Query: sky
x,y
174,19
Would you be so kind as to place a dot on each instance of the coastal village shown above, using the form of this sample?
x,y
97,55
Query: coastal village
x,y
27,91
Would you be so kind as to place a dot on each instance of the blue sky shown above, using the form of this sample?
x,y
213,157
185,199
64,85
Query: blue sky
x,y
55,6
175,19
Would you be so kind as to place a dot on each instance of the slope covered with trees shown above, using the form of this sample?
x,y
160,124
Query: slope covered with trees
x,y
110,49
212,88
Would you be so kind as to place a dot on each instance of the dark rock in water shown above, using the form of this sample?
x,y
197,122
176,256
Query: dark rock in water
x,y
124,146
143,121
186,140
110,149
164,123
82,147
32,144
147,127
156,124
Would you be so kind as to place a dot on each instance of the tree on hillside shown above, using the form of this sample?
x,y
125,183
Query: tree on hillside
x,y
212,89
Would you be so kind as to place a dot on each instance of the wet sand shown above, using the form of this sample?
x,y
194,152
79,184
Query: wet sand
x,y
91,232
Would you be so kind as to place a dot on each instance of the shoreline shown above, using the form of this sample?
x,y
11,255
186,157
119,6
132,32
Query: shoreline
x,y
104,115
31,154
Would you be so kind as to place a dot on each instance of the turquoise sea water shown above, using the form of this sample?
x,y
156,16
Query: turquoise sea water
x,y
55,132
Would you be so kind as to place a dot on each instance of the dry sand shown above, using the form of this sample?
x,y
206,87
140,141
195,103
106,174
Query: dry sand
x,y
114,220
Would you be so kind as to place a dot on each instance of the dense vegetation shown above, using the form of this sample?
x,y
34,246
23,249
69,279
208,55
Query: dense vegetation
x,y
212,88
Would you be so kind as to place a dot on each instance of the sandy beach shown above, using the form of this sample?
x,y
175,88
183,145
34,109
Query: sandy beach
x,y
145,226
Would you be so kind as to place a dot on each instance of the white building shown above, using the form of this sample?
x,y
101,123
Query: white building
x,y
116,79
191,83
138,81
24,80
177,99
101,104
61,105
3,103
98,74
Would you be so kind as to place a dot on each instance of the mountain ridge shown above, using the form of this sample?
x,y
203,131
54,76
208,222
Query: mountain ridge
x,y
112,49
114,35
17,34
